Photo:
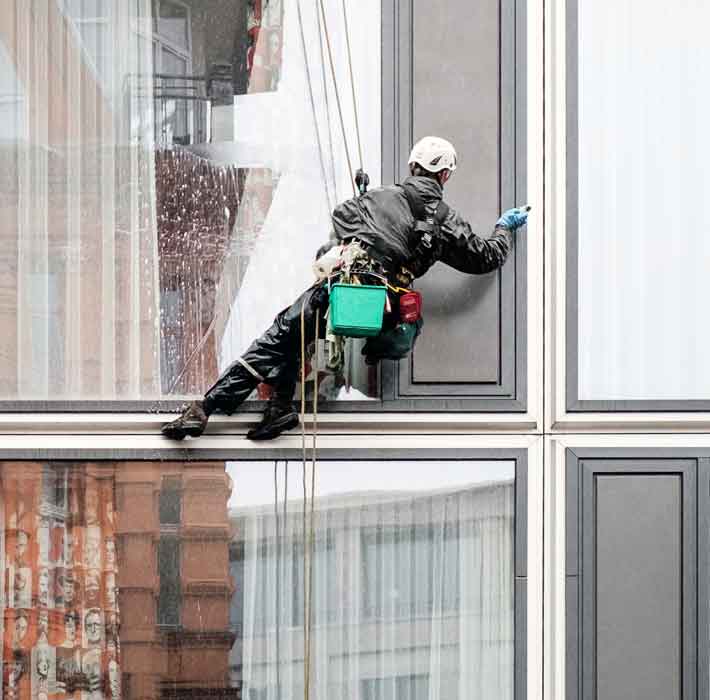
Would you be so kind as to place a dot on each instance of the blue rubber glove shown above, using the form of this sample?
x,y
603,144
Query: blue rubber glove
x,y
513,219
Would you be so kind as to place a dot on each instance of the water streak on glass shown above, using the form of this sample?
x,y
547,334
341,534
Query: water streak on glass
x,y
160,188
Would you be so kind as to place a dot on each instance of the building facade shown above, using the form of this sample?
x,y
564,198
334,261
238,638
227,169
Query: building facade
x,y
520,509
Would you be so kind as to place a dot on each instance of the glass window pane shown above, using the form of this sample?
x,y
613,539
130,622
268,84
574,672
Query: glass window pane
x,y
144,218
173,23
642,170
411,591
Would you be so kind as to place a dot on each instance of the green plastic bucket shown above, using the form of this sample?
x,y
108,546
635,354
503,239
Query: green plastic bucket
x,y
356,310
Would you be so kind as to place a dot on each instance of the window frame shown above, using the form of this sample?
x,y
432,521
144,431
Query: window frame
x,y
563,453
526,452
520,407
511,393
562,162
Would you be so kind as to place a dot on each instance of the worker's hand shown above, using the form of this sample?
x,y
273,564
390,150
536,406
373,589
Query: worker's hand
x,y
513,218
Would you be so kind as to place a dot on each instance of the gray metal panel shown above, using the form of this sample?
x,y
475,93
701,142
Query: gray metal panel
x,y
521,516
486,369
623,505
573,402
704,578
521,635
572,499
457,67
638,533
573,631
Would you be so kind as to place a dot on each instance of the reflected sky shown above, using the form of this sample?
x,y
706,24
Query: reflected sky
x,y
342,477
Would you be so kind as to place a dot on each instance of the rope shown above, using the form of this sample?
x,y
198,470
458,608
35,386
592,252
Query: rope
x,y
278,578
193,354
327,105
313,105
352,85
308,527
337,95
306,602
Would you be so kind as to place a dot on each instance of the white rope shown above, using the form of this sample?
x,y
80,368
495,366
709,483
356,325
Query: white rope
x,y
313,106
337,95
327,105
352,84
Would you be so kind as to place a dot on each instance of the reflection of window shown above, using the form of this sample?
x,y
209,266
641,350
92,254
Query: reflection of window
x,y
325,594
92,20
54,487
172,59
413,579
282,562
410,571
172,22
169,511
170,502
398,688
169,599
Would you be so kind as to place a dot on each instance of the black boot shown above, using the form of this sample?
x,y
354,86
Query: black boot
x,y
192,422
279,416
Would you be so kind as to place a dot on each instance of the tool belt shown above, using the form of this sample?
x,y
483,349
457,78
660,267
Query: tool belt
x,y
408,302
400,277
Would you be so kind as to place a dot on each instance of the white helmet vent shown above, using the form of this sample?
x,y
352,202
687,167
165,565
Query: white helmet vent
x,y
434,154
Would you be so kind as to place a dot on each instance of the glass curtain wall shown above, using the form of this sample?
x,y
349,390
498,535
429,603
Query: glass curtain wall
x,y
166,182
642,173
177,580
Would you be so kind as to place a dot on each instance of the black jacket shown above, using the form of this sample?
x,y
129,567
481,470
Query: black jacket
x,y
383,219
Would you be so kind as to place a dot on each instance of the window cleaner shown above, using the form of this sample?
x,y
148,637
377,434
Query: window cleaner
x,y
398,233
394,233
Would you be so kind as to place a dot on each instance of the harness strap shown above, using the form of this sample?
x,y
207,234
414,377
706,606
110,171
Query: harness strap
x,y
250,369
426,224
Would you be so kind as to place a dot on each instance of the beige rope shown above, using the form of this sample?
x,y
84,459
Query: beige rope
x,y
309,542
306,610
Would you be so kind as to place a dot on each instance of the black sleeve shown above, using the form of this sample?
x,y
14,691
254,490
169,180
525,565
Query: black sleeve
x,y
344,217
347,218
467,252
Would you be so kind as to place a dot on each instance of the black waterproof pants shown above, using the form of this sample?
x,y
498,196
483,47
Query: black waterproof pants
x,y
274,358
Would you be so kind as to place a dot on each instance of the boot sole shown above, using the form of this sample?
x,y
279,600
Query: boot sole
x,y
180,433
274,429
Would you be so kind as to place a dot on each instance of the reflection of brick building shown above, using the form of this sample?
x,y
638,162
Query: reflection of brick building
x,y
74,535
175,588
114,244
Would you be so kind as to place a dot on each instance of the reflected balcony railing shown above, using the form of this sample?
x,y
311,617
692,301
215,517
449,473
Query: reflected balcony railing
x,y
179,107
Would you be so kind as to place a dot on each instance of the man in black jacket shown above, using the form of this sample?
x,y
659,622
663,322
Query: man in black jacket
x,y
403,230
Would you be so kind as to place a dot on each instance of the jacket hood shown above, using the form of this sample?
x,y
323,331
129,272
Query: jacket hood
x,y
427,188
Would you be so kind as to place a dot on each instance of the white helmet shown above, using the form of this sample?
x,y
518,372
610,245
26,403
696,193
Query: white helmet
x,y
434,154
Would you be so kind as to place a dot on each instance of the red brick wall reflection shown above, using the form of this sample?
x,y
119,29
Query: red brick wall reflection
x,y
82,583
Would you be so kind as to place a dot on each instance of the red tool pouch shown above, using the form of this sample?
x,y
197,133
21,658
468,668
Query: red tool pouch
x,y
410,307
